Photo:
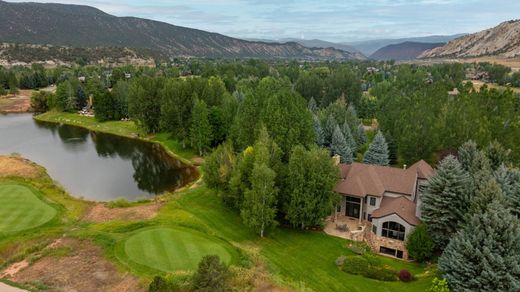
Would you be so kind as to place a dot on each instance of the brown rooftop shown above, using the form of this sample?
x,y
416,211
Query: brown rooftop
x,y
359,179
400,206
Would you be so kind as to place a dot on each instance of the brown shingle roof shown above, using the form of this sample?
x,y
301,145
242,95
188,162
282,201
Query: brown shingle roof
x,y
359,179
400,206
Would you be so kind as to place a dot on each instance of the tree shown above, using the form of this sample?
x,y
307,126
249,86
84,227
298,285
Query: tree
x,y
176,107
340,147
420,244
39,101
218,167
313,108
487,192
328,131
211,275
65,99
485,254
310,182
363,137
320,135
104,106
445,200
144,102
200,130
159,284
259,208
351,141
467,154
377,152
497,154
239,182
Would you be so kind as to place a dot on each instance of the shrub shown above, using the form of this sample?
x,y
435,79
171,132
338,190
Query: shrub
x,y
119,203
340,261
405,276
439,285
211,275
356,265
381,273
373,260
159,284
359,247
420,244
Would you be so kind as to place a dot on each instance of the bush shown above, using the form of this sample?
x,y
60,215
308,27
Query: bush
x,y
439,285
340,261
356,265
420,244
381,273
359,247
159,284
211,275
405,276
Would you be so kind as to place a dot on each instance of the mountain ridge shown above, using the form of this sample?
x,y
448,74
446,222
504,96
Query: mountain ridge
x,y
403,51
85,26
502,40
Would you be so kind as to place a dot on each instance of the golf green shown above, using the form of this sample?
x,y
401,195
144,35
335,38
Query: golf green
x,y
21,209
168,250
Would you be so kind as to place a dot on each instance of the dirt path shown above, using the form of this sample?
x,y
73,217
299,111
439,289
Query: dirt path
x,y
101,213
19,103
82,269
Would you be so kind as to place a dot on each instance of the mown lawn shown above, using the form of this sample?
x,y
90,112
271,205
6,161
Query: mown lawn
x,y
21,209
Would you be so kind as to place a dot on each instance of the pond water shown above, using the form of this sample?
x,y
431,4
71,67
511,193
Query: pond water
x,y
93,165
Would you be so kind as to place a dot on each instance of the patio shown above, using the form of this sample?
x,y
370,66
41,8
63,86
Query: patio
x,y
346,227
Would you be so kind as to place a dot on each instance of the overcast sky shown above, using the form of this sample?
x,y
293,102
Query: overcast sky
x,y
333,20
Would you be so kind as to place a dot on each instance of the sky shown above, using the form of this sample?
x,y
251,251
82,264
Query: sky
x,y
333,20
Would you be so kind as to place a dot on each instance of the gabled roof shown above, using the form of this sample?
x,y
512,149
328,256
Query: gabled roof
x,y
359,179
400,206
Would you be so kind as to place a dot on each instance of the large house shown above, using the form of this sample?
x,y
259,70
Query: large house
x,y
384,199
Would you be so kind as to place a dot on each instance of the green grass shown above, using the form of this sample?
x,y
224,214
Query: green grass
x,y
21,209
121,128
169,250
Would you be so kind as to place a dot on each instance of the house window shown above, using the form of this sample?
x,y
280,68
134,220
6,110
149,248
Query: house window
x,y
374,229
391,251
369,218
393,230
372,201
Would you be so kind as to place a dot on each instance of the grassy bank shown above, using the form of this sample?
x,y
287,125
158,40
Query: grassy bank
x,y
121,128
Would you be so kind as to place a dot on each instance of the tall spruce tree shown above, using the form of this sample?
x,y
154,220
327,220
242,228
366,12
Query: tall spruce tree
x,y
312,105
351,142
362,135
339,146
445,200
487,192
328,130
200,130
320,135
467,153
377,152
259,208
485,254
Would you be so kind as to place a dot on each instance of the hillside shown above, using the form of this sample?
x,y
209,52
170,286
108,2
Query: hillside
x,y
84,26
316,43
369,47
500,41
403,51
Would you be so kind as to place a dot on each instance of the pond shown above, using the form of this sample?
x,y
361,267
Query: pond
x,y
93,165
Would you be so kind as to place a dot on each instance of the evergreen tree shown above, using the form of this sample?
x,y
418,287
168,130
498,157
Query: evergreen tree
x,y
200,130
211,275
104,107
377,152
497,155
392,149
310,181
487,192
467,154
353,121
351,142
340,147
313,108
259,208
328,131
445,200
485,254
320,135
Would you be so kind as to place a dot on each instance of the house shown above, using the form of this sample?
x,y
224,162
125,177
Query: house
x,y
384,200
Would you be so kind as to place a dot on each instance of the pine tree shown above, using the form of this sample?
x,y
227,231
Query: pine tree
x,y
487,192
259,208
445,200
340,147
320,136
377,152
312,105
330,126
218,167
392,149
200,130
467,153
351,142
485,254
497,154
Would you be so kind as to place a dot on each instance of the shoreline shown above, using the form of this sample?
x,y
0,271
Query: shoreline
x,y
123,132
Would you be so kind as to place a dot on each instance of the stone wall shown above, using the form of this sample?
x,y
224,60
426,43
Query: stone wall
x,y
375,242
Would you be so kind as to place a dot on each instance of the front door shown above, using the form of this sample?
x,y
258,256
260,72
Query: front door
x,y
352,207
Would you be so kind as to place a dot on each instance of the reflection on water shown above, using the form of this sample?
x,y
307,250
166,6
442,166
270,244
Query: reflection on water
x,y
94,165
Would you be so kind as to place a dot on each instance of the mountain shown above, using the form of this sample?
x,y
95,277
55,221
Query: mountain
x,y
403,51
315,43
84,26
370,46
501,41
